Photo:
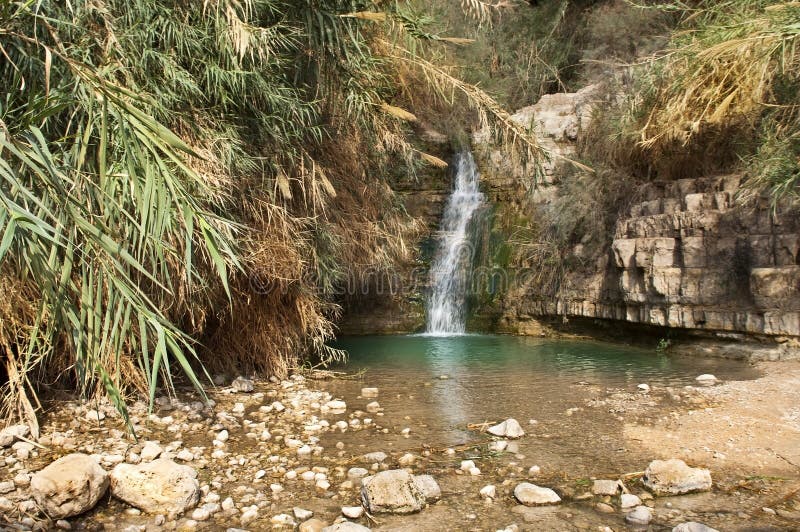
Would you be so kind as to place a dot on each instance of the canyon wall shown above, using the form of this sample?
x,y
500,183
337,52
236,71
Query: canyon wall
x,y
684,254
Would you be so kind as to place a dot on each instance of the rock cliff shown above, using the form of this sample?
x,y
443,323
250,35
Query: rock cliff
x,y
684,254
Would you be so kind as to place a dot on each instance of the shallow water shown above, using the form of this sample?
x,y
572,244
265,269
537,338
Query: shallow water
x,y
491,378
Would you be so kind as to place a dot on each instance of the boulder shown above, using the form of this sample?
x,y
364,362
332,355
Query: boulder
x,y
158,487
346,526
510,428
533,495
693,526
674,477
13,433
393,491
69,486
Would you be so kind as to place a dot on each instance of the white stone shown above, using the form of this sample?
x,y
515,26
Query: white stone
x,y
323,485
643,387
242,385
533,495
160,486
466,465
186,455
222,436
375,457
605,487
429,487
674,477
301,514
150,451
474,471
629,500
352,512
282,519
275,488
201,514
534,470
369,393
489,491
374,406
407,460
13,433
238,408
641,515
228,504
498,446
355,474
393,491
693,526
248,516
305,450
336,405
69,486
510,428
706,378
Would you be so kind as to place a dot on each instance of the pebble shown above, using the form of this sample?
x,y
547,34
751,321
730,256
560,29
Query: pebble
x,y
466,465
248,516
407,460
534,470
352,512
302,514
369,393
628,500
228,504
641,515
489,491
643,387
474,471
604,508
150,451
282,519
706,378
201,514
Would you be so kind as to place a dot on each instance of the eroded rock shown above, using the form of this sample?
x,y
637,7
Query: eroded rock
x,y
674,477
69,486
533,495
394,491
160,486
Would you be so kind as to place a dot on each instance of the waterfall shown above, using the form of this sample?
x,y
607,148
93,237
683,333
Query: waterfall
x,y
450,272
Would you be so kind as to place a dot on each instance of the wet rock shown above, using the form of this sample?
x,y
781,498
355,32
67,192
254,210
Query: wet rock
x,y
376,457
242,385
13,433
466,465
641,515
336,405
628,500
510,428
160,486
346,526
407,459
605,487
312,525
533,495
674,477
534,470
69,486
644,388
693,526
498,446
352,512
604,508
393,491
706,378
369,393
429,487
373,407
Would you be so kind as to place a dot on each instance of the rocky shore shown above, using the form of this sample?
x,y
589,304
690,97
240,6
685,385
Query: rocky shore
x,y
291,455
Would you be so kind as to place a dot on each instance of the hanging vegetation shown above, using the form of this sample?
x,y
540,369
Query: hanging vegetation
x,y
187,181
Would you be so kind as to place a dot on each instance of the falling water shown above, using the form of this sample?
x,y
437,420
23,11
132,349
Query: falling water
x,y
450,273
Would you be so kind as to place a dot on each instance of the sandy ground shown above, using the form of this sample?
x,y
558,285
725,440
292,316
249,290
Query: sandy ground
x,y
743,428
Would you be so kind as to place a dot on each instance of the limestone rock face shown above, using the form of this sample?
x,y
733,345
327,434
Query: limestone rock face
x,y
158,487
394,491
674,477
69,486
533,495
510,428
